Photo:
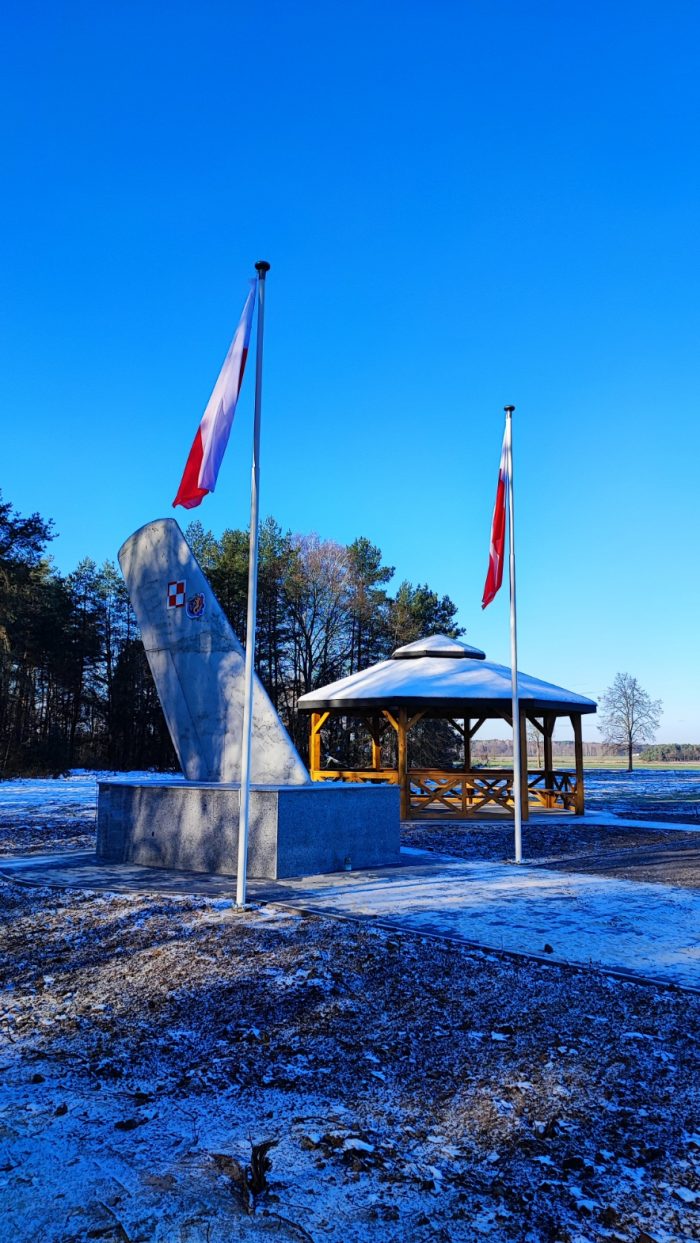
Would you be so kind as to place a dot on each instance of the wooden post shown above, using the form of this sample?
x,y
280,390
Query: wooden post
x,y
578,751
548,722
467,746
402,765
314,746
395,726
376,733
469,732
524,800
317,720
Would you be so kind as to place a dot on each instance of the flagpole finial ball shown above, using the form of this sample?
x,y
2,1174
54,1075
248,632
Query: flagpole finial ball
x,y
262,267
509,409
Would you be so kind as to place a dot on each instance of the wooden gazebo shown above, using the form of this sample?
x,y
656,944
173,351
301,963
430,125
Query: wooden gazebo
x,y
442,679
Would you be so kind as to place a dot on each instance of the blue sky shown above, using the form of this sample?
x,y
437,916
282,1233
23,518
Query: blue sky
x,y
464,205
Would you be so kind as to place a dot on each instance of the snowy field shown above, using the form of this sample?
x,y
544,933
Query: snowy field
x,y
645,793
47,814
152,1046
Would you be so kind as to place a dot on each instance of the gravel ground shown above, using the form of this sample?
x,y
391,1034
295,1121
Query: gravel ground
x,y
40,837
62,824
149,1046
665,856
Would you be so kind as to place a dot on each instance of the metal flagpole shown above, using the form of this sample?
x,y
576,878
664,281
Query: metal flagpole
x,y
262,268
517,781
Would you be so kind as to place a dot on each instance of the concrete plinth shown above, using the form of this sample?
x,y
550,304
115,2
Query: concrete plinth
x,y
294,830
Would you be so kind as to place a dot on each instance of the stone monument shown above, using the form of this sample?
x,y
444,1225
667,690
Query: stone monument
x,y
296,826
197,664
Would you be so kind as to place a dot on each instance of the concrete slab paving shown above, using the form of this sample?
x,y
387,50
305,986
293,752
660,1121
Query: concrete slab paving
x,y
649,930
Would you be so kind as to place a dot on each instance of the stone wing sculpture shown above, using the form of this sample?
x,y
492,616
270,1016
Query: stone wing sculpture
x,y
197,664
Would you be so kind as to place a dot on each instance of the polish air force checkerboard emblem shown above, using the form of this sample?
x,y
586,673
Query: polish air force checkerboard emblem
x,y
177,594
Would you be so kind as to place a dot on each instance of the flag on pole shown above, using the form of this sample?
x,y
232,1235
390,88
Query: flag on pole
x,y
209,445
494,576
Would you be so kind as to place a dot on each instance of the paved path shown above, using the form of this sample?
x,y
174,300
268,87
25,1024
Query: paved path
x,y
652,930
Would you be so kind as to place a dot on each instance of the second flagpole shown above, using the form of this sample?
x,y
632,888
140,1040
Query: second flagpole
x,y
517,776
262,268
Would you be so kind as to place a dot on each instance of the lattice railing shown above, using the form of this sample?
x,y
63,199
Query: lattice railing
x,y
434,791
388,775
459,794
552,789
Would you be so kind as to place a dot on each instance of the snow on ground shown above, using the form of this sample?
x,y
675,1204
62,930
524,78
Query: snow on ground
x,y
38,814
651,930
646,793
548,841
412,1090
45,814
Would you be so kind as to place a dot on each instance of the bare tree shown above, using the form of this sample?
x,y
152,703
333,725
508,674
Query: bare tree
x,y
534,743
627,715
318,593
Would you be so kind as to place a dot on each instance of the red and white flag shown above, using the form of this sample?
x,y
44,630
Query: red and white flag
x,y
209,445
494,576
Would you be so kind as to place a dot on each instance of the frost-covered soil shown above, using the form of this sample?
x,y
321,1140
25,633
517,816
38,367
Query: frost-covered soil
x,y
47,814
54,813
664,796
413,1090
671,794
656,855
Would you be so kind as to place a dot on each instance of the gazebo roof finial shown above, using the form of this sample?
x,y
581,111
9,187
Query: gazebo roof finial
x,y
438,645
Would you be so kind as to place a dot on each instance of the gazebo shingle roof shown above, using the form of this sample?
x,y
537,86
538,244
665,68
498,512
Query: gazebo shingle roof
x,y
462,683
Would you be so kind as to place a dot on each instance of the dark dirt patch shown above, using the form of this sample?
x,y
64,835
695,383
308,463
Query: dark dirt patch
x,y
33,834
670,857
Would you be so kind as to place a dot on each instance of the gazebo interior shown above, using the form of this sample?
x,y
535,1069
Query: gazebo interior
x,y
413,721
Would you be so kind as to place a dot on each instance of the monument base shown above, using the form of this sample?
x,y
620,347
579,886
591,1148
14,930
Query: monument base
x,y
294,830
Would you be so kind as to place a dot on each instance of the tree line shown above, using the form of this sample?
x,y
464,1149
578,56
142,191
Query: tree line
x,y
671,752
75,687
